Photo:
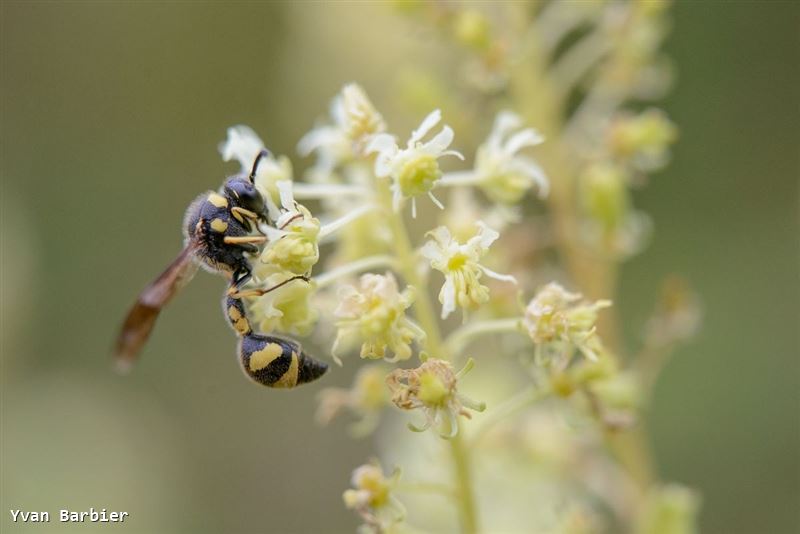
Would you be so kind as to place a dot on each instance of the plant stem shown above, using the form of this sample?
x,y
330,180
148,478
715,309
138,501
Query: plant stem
x,y
461,337
407,263
539,102
520,401
426,316
364,264
466,505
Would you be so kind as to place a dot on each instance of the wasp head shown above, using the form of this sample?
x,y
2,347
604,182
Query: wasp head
x,y
241,192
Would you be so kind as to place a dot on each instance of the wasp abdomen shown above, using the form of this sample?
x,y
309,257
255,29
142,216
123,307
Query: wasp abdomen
x,y
236,314
277,362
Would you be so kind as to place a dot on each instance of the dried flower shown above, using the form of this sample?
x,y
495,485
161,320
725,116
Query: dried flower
x,y
554,318
432,387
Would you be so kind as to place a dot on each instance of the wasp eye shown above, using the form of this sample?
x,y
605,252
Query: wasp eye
x,y
244,194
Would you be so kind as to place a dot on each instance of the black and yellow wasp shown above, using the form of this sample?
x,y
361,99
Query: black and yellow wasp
x,y
222,232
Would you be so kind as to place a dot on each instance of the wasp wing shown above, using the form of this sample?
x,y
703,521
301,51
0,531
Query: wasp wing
x,y
142,316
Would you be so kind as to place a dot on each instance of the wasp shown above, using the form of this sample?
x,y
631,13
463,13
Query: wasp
x,y
272,361
221,233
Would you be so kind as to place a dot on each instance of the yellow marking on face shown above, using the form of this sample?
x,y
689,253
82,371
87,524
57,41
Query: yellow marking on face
x,y
262,358
234,313
218,225
218,200
242,325
289,378
237,215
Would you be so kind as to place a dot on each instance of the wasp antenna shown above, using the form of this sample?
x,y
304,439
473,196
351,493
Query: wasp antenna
x,y
263,154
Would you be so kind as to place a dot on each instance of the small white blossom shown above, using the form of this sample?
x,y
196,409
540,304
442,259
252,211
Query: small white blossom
x,y
293,244
414,170
372,498
459,264
242,144
375,314
287,308
500,171
355,121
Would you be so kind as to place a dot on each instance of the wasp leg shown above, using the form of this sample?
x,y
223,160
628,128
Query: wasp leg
x,y
241,214
238,279
235,293
244,240
291,220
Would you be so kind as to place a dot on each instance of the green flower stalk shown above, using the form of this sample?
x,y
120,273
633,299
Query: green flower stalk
x,y
569,190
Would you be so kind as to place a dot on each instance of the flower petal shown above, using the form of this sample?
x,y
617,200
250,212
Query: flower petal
x,y
447,296
504,123
456,178
497,276
285,190
382,143
455,153
486,235
317,138
520,140
425,126
242,144
439,143
433,252
535,173
441,234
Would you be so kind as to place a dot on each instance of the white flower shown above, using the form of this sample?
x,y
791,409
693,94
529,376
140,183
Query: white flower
x,y
293,244
503,174
287,308
459,264
375,314
372,497
415,169
355,121
243,145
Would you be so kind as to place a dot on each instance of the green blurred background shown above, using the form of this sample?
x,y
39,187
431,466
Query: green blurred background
x,y
111,113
